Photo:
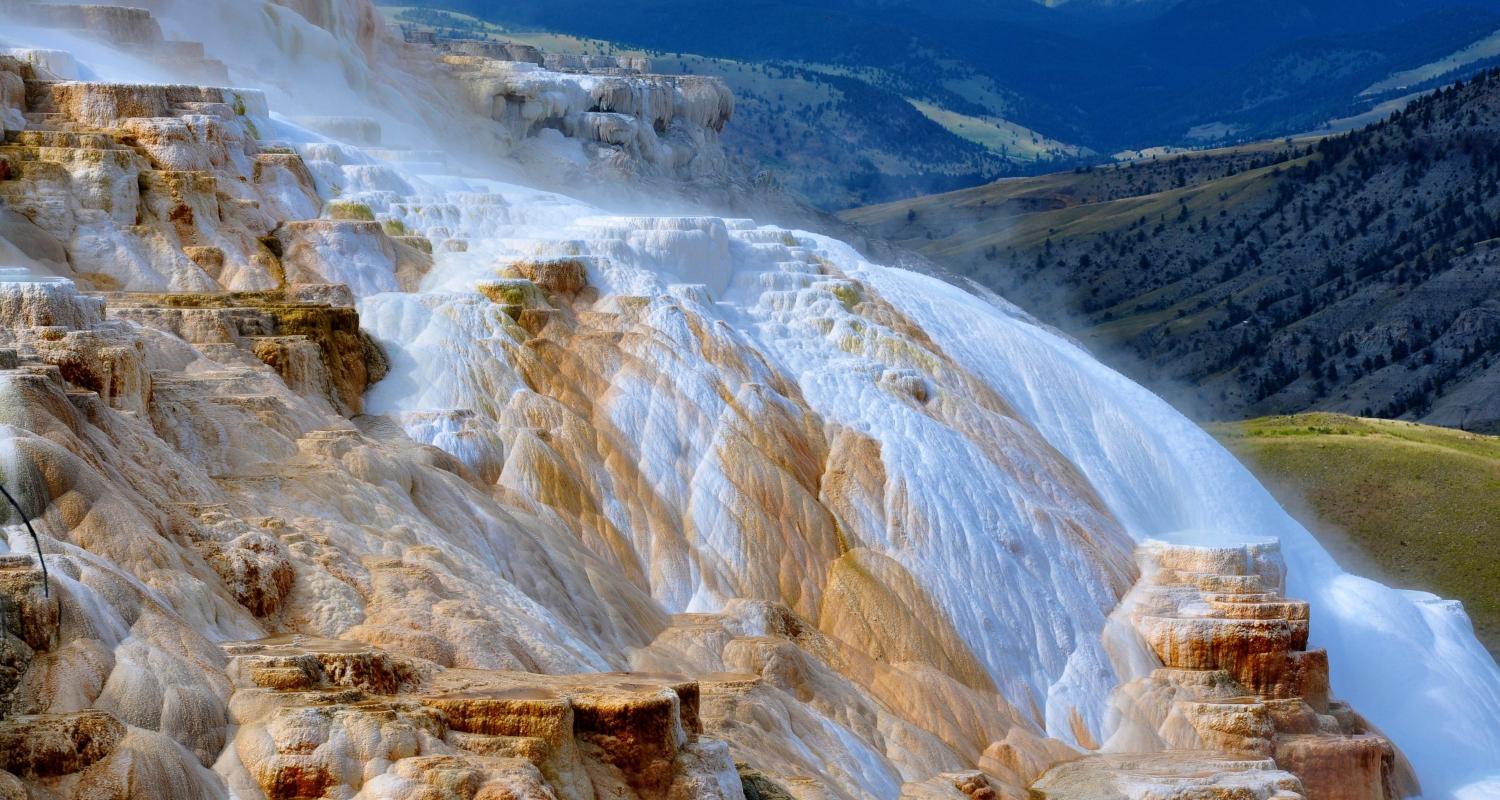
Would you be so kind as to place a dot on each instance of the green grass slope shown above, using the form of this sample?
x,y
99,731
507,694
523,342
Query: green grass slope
x,y
1419,503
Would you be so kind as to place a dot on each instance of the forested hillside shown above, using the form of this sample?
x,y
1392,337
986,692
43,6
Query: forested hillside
x,y
1356,273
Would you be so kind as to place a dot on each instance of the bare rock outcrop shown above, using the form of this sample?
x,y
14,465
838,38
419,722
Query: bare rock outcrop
x,y
316,347
1237,693
150,186
320,717
1177,775
631,124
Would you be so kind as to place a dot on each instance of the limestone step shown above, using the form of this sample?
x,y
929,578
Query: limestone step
x,y
635,726
1360,766
52,745
60,139
1173,775
116,24
133,30
104,104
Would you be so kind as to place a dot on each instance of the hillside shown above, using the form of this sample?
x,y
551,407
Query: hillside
x,y
1354,273
1388,490
834,136
1104,75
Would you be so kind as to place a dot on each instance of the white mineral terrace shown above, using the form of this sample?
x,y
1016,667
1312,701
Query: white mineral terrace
x,y
602,441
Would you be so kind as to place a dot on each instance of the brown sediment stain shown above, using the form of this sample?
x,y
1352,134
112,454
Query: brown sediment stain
x,y
769,447
989,423
852,486
1080,730
772,451
874,604
569,376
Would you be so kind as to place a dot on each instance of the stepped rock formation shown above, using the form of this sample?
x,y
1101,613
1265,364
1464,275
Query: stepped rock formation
x,y
361,472
1235,701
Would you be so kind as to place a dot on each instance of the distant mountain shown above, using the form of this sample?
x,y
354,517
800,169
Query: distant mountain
x,y
834,136
1358,273
1105,74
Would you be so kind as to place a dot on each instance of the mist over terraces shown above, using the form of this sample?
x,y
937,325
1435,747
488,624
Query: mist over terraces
x,y
390,432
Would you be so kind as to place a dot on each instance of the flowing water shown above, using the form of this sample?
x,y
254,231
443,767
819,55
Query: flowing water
x,y
1016,470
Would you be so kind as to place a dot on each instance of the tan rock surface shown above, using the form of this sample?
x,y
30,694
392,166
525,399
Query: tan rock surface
x,y
1236,679
1181,775
259,589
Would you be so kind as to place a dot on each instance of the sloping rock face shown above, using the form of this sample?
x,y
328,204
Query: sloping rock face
x,y
201,471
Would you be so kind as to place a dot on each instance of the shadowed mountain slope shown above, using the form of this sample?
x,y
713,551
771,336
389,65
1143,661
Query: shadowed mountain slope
x,y
1354,273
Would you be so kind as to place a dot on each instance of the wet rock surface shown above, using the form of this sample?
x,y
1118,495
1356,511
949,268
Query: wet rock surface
x,y
1235,680
337,716
361,472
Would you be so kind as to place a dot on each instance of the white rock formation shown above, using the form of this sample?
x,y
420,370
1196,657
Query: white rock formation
x,y
876,524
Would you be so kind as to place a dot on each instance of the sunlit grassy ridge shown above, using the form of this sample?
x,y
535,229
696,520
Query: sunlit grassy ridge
x,y
996,134
1420,502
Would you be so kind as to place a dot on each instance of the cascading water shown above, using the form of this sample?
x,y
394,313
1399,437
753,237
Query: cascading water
x,y
715,362
1437,694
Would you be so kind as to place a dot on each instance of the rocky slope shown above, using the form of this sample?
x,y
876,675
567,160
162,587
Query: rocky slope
x,y
362,466
1350,274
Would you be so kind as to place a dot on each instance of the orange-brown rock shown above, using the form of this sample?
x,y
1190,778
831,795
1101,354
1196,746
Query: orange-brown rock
x,y
317,348
102,104
564,276
973,785
1239,624
57,744
1237,679
1342,767
320,716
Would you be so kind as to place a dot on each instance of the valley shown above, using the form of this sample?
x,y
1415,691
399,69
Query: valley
x,y
1352,273
833,135
1098,76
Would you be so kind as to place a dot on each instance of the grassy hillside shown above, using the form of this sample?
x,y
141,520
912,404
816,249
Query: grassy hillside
x,y
1357,273
1421,503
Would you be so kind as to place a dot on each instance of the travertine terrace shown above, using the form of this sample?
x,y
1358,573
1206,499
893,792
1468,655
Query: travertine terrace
x,y
1235,683
365,465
